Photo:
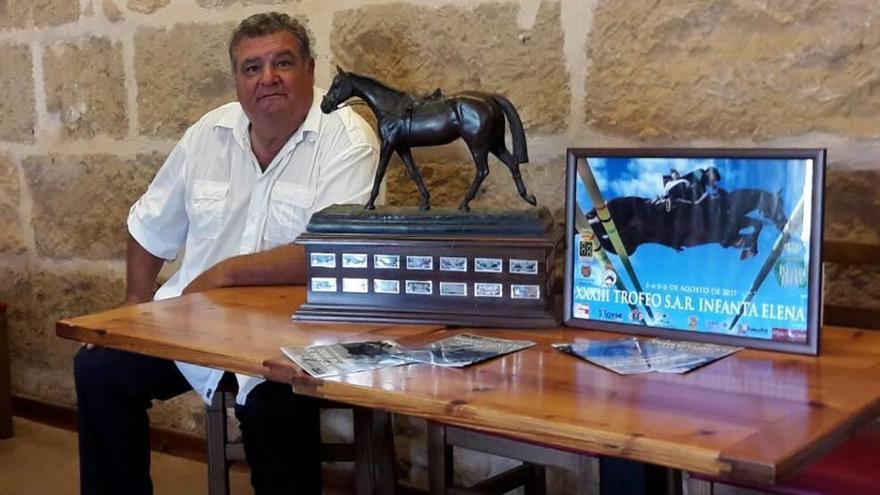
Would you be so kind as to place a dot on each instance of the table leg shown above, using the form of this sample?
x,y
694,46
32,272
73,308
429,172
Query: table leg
x,y
439,460
374,452
696,486
588,475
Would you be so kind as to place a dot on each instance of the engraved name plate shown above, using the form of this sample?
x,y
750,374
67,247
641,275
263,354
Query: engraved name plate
x,y
422,287
529,267
323,284
419,262
525,291
487,265
452,264
381,286
353,260
453,289
356,285
482,289
386,261
323,260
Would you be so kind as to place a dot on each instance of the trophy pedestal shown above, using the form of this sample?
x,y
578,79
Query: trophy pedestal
x,y
407,266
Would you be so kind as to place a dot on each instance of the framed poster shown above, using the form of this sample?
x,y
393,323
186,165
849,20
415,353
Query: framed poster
x,y
715,245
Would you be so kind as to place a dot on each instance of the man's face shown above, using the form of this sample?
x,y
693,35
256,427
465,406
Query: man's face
x,y
273,80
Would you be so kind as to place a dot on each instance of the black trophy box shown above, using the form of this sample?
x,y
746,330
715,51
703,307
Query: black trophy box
x,y
402,265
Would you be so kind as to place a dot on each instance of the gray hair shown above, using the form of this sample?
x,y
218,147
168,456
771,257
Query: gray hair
x,y
269,23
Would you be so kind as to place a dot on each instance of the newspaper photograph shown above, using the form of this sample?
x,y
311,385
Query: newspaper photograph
x,y
322,361
463,350
630,355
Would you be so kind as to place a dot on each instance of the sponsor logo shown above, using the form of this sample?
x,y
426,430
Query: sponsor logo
x,y
789,335
609,278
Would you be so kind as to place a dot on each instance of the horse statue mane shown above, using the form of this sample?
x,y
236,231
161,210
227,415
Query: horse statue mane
x,y
406,121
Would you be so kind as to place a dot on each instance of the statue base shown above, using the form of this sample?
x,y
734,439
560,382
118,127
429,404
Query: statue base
x,y
403,265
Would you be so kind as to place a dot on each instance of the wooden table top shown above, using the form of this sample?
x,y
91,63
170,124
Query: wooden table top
x,y
756,415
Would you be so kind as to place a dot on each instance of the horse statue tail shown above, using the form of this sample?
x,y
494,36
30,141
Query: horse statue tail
x,y
520,150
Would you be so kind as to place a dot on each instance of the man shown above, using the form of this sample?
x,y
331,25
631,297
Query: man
x,y
236,190
674,188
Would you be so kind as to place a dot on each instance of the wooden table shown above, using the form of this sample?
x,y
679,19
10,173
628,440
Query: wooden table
x,y
755,416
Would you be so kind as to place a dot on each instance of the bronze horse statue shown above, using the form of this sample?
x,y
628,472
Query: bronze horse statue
x,y
406,121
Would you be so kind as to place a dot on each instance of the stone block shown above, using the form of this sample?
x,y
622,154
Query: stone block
x,y
17,14
184,413
419,48
146,6
85,84
222,4
687,70
16,93
448,179
11,236
182,73
852,286
38,297
849,195
112,11
80,203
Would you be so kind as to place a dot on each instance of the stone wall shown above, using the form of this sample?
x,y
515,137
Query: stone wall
x,y
95,92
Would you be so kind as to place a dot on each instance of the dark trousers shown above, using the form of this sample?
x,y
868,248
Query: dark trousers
x,y
280,430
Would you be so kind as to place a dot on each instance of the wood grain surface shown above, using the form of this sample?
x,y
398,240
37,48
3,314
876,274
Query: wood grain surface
x,y
757,415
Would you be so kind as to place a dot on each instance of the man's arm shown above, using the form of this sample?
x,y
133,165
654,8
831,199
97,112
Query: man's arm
x,y
141,270
279,266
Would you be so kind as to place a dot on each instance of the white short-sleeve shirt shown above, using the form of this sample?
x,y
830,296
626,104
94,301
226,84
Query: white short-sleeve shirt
x,y
211,198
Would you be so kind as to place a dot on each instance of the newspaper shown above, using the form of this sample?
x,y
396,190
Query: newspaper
x,y
322,361
628,356
461,350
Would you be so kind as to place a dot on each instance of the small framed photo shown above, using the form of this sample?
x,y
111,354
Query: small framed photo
x,y
518,291
488,265
453,289
386,261
712,245
323,284
453,264
420,287
419,262
483,289
355,285
354,260
322,260
527,267
381,286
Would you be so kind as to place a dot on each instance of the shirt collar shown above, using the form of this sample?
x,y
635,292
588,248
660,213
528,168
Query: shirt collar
x,y
239,123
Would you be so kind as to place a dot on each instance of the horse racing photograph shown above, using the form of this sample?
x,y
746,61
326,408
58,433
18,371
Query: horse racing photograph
x,y
719,244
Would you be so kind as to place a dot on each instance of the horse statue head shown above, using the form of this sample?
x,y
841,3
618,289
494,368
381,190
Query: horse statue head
x,y
340,91
405,121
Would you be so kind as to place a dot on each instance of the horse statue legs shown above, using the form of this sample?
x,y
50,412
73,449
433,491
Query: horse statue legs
x,y
406,156
480,153
384,156
481,161
506,158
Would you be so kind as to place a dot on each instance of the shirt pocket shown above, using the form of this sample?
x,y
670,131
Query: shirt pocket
x,y
208,200
288,211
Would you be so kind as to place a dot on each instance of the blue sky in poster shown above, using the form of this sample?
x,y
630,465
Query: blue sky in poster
x,y
698,287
